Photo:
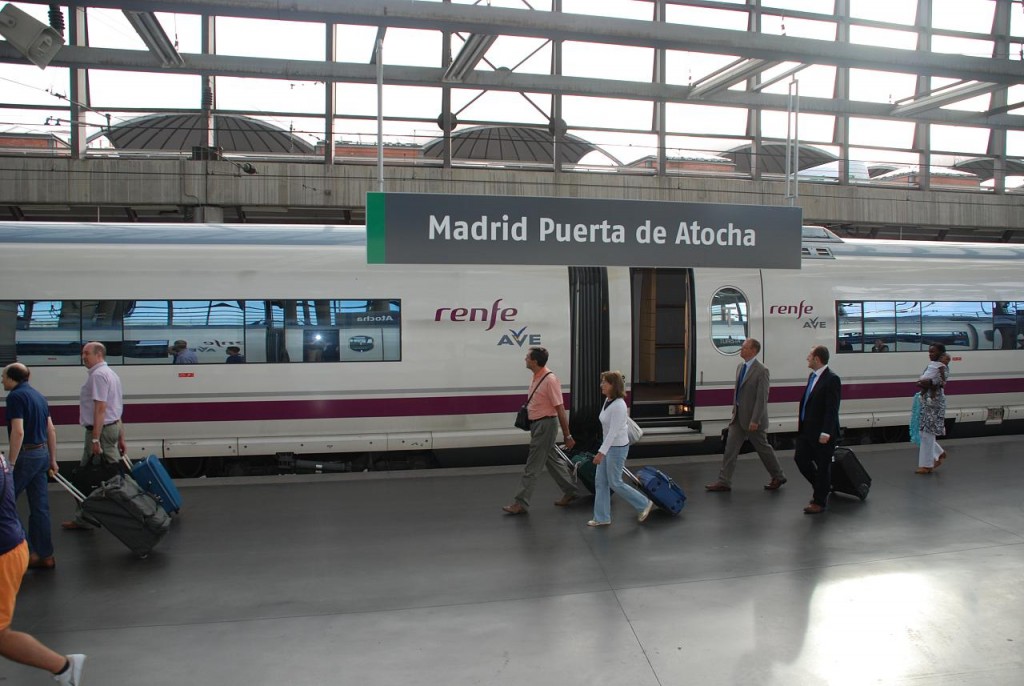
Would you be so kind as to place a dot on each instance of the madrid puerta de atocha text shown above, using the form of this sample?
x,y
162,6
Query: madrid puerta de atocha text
x,y
548,230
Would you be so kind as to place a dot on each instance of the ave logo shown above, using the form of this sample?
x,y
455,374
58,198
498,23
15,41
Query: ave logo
x,y
814,323
802,312
519,338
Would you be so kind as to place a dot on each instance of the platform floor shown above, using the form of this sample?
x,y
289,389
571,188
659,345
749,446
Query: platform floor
x,y
419,578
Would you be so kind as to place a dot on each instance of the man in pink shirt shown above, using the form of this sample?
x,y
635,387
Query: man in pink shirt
x,y
546,413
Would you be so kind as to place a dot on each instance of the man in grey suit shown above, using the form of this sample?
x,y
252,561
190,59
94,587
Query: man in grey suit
x,y
749,419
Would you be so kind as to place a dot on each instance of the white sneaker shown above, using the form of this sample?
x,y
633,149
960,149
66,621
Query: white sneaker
x,y
642,517
594,522
73,675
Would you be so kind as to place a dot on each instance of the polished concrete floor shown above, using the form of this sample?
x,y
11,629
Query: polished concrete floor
x,y
418,578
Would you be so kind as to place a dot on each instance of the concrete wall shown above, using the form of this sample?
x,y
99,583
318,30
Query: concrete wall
x,y
58,181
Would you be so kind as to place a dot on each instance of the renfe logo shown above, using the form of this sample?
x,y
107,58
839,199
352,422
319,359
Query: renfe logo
x,y
477,314
795,310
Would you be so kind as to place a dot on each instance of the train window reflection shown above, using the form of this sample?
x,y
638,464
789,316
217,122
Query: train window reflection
x,y
908,327
43,332
850,318
905,326
102,320
728,320
51,332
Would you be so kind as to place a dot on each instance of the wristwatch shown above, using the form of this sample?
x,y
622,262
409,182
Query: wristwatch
x,y
95,440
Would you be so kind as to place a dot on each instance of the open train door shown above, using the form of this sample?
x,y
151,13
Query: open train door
x,y
589,338
664,353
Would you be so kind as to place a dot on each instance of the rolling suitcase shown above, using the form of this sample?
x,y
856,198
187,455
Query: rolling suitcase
x,y
662,490
125,510
581,466
849,475
154,479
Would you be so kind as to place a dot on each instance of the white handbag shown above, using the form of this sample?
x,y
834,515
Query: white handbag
x,y
634,430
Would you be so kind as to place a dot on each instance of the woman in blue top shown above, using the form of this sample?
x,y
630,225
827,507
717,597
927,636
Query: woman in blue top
x,y
611,458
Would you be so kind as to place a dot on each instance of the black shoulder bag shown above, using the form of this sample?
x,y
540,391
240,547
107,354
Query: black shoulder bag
x,y
523,416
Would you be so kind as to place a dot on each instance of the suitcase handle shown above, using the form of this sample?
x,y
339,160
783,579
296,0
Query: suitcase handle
x,y
68,486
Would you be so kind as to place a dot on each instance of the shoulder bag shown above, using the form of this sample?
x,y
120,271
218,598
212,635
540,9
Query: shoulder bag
x,y
633,430
523,416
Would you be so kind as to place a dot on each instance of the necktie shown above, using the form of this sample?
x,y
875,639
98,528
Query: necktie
x,y
739,381
807,394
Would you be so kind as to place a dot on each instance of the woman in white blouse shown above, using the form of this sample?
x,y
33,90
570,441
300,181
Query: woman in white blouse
x,y
611,458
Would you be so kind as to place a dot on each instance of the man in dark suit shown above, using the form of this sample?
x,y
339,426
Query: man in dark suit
x,y
818,428
749,421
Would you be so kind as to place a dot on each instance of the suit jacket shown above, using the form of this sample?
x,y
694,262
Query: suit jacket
x,y
821,415
752,397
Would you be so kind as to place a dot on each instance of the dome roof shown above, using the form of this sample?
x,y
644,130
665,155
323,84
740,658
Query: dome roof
x,y
232,133
984,167
772,159
511,144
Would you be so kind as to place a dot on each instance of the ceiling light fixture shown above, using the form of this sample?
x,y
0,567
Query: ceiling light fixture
x,y
152,34
472,52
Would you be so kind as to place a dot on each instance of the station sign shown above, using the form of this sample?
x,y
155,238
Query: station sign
x,y
428,228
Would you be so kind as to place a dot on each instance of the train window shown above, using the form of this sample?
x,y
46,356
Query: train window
x,y
102,321
879,325
209,327
958,325
912,326
908,327
850,318
728,320
42,332
325,331
51,332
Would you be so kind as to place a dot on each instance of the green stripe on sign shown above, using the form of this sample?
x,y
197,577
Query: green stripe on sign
x,y
375,234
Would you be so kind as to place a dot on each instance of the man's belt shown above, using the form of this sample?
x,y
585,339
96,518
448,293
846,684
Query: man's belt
x,y
89,428
32,446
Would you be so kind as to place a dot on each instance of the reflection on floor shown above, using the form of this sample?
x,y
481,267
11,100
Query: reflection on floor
x,y
418,578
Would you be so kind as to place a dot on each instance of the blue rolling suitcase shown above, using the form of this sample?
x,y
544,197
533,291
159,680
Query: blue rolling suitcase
x,y
154,479
665,492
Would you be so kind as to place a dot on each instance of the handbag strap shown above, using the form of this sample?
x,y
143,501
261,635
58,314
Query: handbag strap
x,y
537,386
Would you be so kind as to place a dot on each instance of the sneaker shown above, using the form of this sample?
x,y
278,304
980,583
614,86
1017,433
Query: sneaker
x,y
642,517
594,522
72,676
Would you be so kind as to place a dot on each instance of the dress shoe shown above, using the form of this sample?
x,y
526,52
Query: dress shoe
x,y
814,508
514,509
775,484
36,562
594,522
717,487
923,470
642,517
566,499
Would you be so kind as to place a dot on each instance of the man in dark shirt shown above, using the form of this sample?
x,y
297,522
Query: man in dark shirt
x,y
16,645
33,452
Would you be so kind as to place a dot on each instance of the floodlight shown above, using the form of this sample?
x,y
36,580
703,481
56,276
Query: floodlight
x,y
472,52
152,34
36,41
730,75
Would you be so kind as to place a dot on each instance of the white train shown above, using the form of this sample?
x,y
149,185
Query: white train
x,y
345,357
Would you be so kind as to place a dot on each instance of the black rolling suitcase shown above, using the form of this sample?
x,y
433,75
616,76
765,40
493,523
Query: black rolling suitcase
x,y
121,507
849,475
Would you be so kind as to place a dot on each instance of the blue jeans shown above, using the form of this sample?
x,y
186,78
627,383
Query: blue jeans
x,y
609,475
30,475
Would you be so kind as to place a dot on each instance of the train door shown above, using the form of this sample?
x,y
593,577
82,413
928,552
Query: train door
x,y
589,338
664,355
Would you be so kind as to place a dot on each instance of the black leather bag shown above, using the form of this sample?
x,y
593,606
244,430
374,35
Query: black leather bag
x,y
523,416
88,477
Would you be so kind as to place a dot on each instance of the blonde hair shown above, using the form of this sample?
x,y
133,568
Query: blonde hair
x,y
617,382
